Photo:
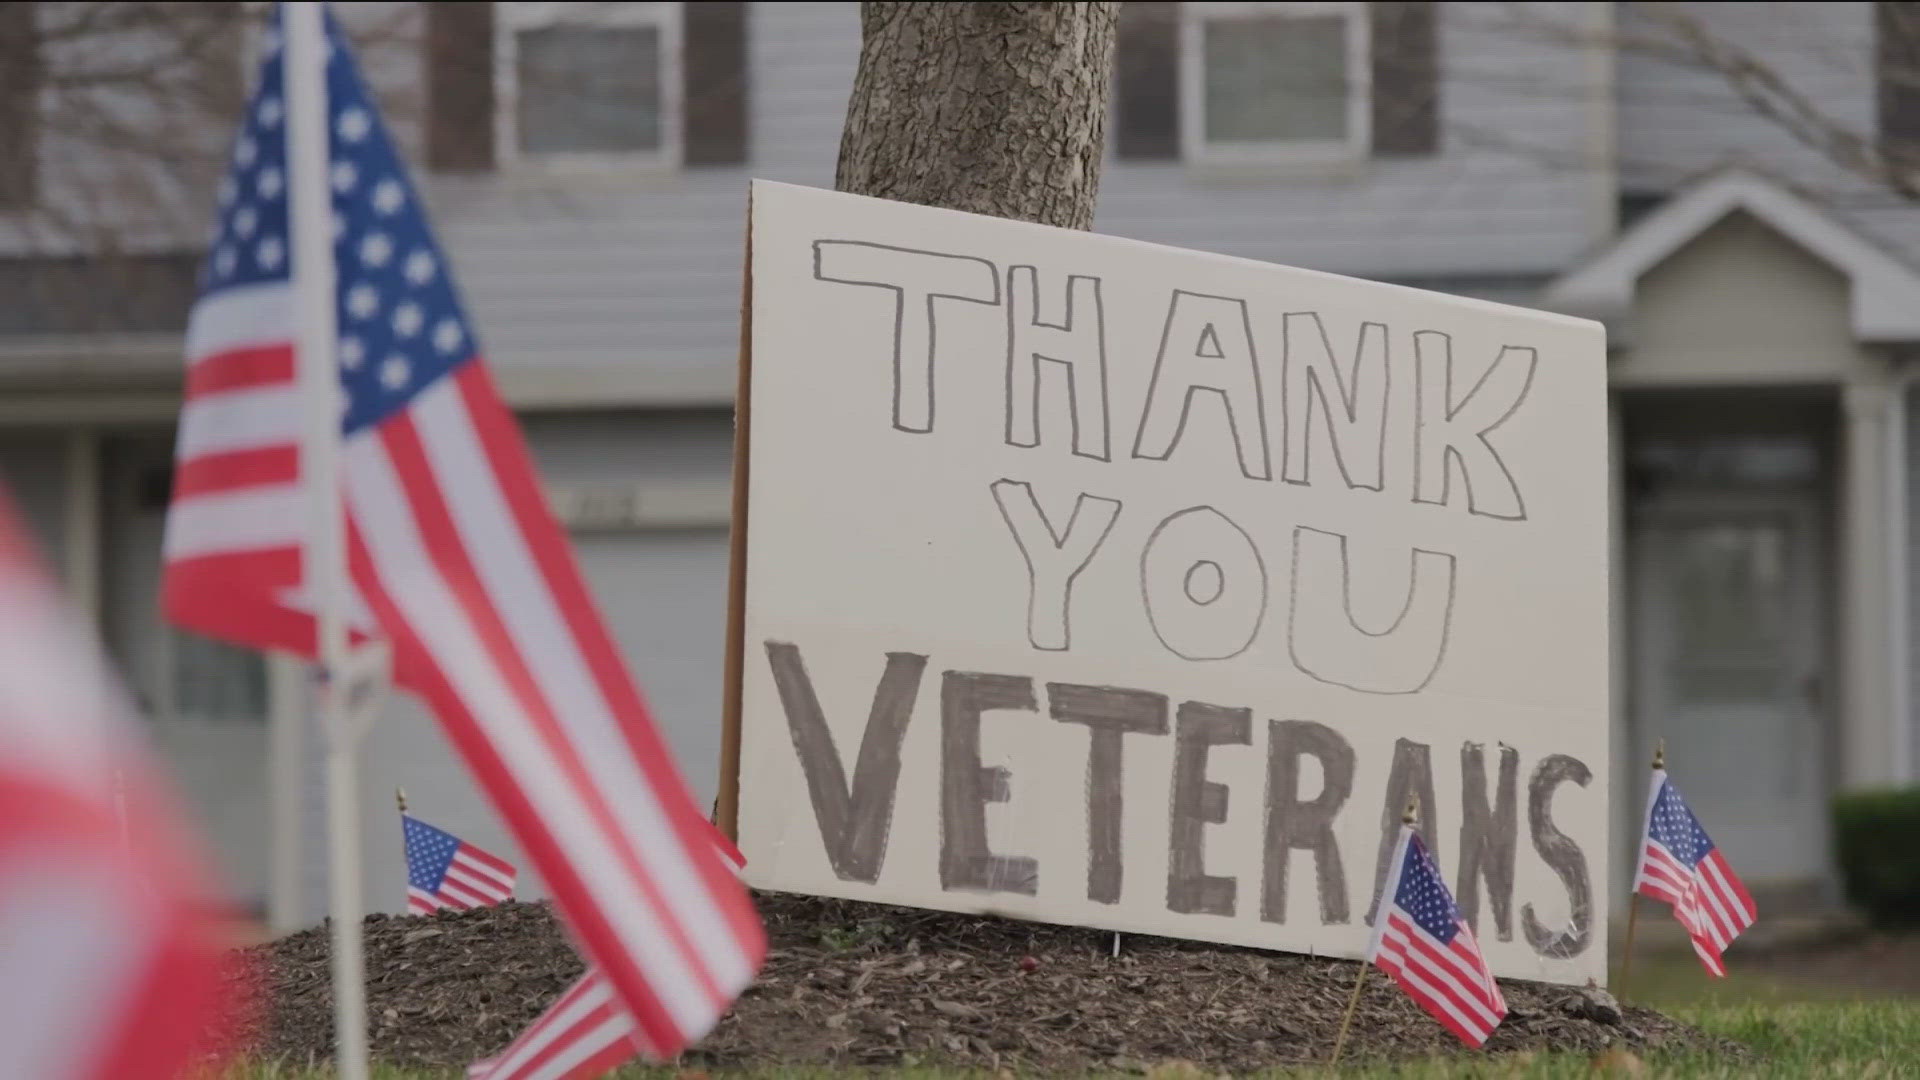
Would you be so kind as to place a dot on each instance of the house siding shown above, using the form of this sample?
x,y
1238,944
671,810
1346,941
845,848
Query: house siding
x,y
643,272
1678,121
637,275
1512,190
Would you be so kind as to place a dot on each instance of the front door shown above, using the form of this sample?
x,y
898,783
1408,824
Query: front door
x,y
1729,656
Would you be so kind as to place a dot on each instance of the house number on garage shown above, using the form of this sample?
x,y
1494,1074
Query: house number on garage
x,y
597,506
629,505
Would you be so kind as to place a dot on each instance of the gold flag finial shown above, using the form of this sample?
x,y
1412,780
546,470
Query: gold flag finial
x,y
400,796
1411,815
1660,754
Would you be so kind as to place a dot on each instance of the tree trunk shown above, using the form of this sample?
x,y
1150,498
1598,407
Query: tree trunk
x,y
992,108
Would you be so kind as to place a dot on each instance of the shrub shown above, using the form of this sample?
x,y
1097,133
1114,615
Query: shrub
x,y
1877,839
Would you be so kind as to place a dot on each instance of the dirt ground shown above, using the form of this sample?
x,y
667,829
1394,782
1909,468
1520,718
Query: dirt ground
x,y
864,985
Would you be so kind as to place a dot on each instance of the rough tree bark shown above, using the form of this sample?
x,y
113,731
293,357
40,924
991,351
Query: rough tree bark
x,y
993,108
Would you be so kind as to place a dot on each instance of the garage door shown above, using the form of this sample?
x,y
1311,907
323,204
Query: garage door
x,y
665,596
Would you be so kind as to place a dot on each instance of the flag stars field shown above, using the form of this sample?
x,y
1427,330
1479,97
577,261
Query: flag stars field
x,y
362,301
447,336
354,125
376,249
420,267
407,319
388,196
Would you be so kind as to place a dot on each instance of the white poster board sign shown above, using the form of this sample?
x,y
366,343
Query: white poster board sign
x,y
1104,583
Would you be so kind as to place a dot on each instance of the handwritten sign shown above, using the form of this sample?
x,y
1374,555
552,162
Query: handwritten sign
x,y
1103,583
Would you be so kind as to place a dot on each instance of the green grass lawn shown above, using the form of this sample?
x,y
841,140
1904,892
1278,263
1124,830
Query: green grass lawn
x,y
1851,1039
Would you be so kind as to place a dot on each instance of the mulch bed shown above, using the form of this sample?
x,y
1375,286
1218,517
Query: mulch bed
x,y
862,985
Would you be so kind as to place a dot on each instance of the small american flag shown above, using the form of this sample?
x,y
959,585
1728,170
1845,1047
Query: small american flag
x,y
1421,941
456,560
1680,865
586,1033
444,871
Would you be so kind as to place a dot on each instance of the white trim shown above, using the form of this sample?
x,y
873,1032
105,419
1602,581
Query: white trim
x,y
1899,541
530,15
1305,153
1884,304
1866,711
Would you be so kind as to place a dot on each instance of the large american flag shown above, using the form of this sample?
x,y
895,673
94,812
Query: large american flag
x,y
444,871
454,556
109,954
1680,865
1420,940
586,1033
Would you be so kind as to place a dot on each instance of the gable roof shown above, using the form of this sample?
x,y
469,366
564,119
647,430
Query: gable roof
x,y
1884,294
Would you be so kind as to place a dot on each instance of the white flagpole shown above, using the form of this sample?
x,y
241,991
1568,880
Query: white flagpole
x,y
324,565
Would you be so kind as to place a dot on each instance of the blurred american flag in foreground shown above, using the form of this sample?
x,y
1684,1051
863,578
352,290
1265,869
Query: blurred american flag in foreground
x,y
109,946
586,1033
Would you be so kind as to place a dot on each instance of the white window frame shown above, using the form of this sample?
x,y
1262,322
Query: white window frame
x,y
524,15
1308,153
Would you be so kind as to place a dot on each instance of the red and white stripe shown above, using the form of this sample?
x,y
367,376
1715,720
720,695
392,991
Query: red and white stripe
x,y
1448,979
457,560
109,959
473,879
583,1035
1710,901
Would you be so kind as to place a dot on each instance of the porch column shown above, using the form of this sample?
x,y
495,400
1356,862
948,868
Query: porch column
x,y
1867,605
1899,544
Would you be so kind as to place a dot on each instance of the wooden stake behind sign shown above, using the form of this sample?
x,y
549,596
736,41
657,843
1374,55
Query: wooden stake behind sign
x,y
726,809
